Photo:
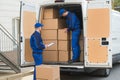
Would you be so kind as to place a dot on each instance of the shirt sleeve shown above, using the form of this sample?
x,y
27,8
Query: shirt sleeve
x,y
73,20
32,42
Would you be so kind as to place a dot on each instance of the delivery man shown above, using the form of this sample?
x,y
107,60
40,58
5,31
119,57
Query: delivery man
x,y
37,46
73,24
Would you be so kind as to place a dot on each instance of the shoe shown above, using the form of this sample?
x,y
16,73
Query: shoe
x,y
72,61
77,60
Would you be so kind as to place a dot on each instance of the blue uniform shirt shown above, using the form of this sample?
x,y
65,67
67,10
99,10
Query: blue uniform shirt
x,y
36,42
72,21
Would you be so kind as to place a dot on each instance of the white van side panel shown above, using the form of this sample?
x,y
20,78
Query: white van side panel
x,y
115,32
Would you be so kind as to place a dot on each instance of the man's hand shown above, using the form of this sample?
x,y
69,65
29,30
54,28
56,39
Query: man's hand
x,y
46,45
66,30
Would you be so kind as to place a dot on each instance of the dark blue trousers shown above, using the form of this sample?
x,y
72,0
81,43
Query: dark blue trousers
x,y
38,61
75,44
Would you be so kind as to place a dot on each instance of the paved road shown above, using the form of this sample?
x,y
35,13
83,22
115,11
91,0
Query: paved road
x,y
115,75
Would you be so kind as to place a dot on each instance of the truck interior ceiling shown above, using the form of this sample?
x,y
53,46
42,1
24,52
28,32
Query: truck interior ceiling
x,y
77,9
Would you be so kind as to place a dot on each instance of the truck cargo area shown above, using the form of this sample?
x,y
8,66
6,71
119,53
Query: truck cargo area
x,y
77,9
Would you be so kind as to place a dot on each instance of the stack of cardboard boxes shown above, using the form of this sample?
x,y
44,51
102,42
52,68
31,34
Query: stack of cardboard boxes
x,y
53,32
49,34
64,45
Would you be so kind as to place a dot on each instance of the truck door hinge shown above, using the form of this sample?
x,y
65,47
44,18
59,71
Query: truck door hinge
x,y
85,18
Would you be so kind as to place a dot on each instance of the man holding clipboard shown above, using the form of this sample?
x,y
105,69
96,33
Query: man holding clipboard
x,y
37,46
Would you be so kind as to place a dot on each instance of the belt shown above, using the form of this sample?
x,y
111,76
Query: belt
x,y
75,29
37,52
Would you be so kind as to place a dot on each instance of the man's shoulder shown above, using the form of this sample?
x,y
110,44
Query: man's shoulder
x,y
72,13
33,34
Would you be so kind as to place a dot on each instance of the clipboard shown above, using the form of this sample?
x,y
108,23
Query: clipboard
x,y
51,44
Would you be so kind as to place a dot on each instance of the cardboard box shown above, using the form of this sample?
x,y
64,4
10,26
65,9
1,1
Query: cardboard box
x,y
53,47
50,56
28,51
64,56
51,13
47,72
81,56
49,34
64,45
62,35
81,44
53,23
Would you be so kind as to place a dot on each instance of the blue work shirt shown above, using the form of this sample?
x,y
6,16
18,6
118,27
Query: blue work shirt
x,y
36,42
72,21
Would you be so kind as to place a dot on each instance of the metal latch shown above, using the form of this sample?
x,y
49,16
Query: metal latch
x,y
85,18
104,41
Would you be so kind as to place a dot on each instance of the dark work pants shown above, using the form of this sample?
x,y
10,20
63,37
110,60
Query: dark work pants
x,y
75,44
38,61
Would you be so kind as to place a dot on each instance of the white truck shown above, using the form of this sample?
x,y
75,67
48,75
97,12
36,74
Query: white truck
x,y
100,26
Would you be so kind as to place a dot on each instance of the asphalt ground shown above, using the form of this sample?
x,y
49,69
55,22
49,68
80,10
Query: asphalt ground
x,y
114,75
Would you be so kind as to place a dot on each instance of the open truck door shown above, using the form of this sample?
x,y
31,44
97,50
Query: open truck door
x,y
98,51
28,19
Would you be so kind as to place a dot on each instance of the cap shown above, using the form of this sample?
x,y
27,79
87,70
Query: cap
x,y
37,25
61,11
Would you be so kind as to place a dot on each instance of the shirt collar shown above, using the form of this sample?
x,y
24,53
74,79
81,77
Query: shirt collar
x,y
68,14
37,32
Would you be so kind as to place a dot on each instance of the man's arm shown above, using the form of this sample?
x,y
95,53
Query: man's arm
x,y
39,44
72,21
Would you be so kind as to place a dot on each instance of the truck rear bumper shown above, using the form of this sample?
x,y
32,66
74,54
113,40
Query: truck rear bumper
x,y
68,68
74,67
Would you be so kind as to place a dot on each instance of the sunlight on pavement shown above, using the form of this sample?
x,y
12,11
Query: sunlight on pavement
x,y
30,77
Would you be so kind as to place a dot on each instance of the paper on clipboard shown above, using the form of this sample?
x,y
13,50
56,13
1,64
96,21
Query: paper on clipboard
x,y
51,44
